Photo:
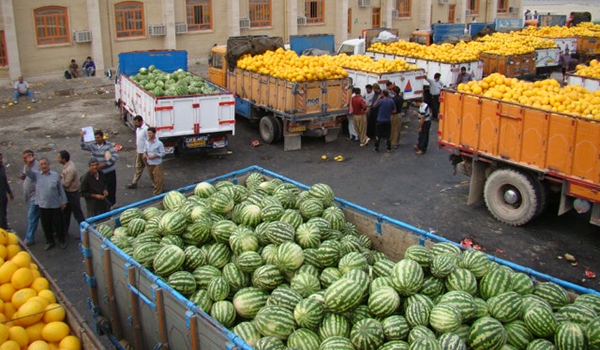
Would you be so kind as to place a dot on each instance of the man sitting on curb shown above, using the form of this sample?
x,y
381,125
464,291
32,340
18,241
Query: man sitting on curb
x,y
21,89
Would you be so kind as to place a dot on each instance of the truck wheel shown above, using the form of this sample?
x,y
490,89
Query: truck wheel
x,y
512,197
269,129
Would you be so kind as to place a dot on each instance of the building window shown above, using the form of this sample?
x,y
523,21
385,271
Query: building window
x,y
474,7
404,8
502,6
260,13
314,10
3,58
376,20
451,13
199,14
129,18
51,25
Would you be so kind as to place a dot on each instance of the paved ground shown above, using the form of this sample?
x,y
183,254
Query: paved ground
x,y
419,190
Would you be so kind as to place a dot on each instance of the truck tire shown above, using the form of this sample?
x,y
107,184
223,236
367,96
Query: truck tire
x,y
512,197
269,129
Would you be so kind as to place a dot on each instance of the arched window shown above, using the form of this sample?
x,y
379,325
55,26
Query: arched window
x,y
51,25
129,19
199,14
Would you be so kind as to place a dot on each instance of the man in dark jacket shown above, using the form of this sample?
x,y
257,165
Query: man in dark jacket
x,y
5,195
385,108
93,189
397,117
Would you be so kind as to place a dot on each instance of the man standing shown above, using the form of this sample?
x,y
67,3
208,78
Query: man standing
x,y
22,89
372,116
359,108
105,154
424,126
141,138
51,198
155,151
368,97
396,117
385,108
435,88
5,195
563,61
33,214
463,76
93,189
70,182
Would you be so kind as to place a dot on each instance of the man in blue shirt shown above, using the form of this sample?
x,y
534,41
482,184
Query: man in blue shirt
x,y
51,198
89,67
385,108
155,151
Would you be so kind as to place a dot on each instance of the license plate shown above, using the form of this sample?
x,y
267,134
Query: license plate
x,y
220,144
169,150
198,141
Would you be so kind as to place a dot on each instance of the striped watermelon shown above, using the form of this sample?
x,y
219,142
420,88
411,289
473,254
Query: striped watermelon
x,y
144,253
303,339
420,254
417,314
592,334
168,260
350,244
384,301
203,275
360,313
224,312
556,295
186,210
476,261
310,208
199,212
152,223
247,332
258,198
505,307
200,230
394,345
308,236
451,341
343,295
417,298
267,277
249,261
248,301
531,300
172,223
577,313
241,193
335,216
183,282
329,253
541,344
290,256
395,328
518,335
570,336
323,193
194,258
419,332
243,242
334,325
540,321
105,230
250,215
285,297
269,254
425,343
591,300
136,227
337,343
148,237
292,217
121,231
380,282
221,202
173,200
329,275
486,334
331,234
308,313
445,248
309,269
367,334
218,289
521,283
129,214
201,299
274,320
278,232
362,278
285,197
441,266
481,308
150,212
253,180
445,318
222,230
269,343
352,261
432,286
218,255
172,240
321,223
496,281
305,284
271,212
407,277
311,257
204,190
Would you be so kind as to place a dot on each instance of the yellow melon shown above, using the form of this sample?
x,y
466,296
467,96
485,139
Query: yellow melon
x,y
3,237
6,291
18,334
12,250
22,259
54,313
48,295
10,345
34,332
55,331
6,271
12,239
39,345
21,296
70,342
22,278
3,333
31,312
3,251
40,284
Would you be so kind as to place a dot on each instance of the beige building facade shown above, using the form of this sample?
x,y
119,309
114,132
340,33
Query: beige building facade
x,y
40,37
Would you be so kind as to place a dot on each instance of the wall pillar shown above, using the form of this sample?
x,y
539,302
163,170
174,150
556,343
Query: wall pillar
x,y
95,27
387,7
291,8
425,16
341,21
463,10
10,37
234,21
170,39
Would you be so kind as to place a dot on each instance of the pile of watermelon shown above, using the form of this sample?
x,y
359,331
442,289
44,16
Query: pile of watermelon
x,y
283,269
178,83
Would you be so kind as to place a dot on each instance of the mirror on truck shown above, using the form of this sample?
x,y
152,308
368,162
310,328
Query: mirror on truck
x,y
216,60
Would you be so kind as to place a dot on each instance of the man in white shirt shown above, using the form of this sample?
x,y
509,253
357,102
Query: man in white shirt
x,y
435,88
155,151
141,138
22,89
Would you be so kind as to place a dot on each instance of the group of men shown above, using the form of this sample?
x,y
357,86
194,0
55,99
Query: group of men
x,y
52,197
88,67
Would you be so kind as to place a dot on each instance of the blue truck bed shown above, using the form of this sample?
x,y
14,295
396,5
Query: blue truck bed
x,y
165,60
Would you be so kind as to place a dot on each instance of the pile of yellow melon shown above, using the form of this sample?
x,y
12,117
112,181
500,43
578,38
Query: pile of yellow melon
x,y
30,316
546,94
589,25
286,64
366,63
525,43
560,32
450,53
593,70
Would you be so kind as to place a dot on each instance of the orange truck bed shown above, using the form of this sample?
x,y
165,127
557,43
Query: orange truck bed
x,y
563,147
509,66
318,98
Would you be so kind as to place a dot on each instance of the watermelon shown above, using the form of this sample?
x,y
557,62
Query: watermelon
x,y
476,261
222,230
218,255
334,325
221,202
570,336
201,299
384,301
290,256
172,223
554,294
481,309
441,266
445,318
419,332
218,289
243,241
172,240
292,217
540,321
395,327
329,275
407,277
394,345
169,259
271,212
541,344
432,286
136,226
380,282
352,261
505,307
425,343
251,215
204,274
183,282
308,313
518,335
591,300
486,334
274,320
284,297
323,193
521,283
173,200
204,190
249,261
248,301
577,313
223,312
247,332
144,253
306,284
129,214
105,230
267,277
328,253
335,216
304,339
269,343
150,212
308,236
362,278
194,258
592,334
417,314
494,282
343,295
367,334
310,208
278,232
420,254
336,343
451,341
